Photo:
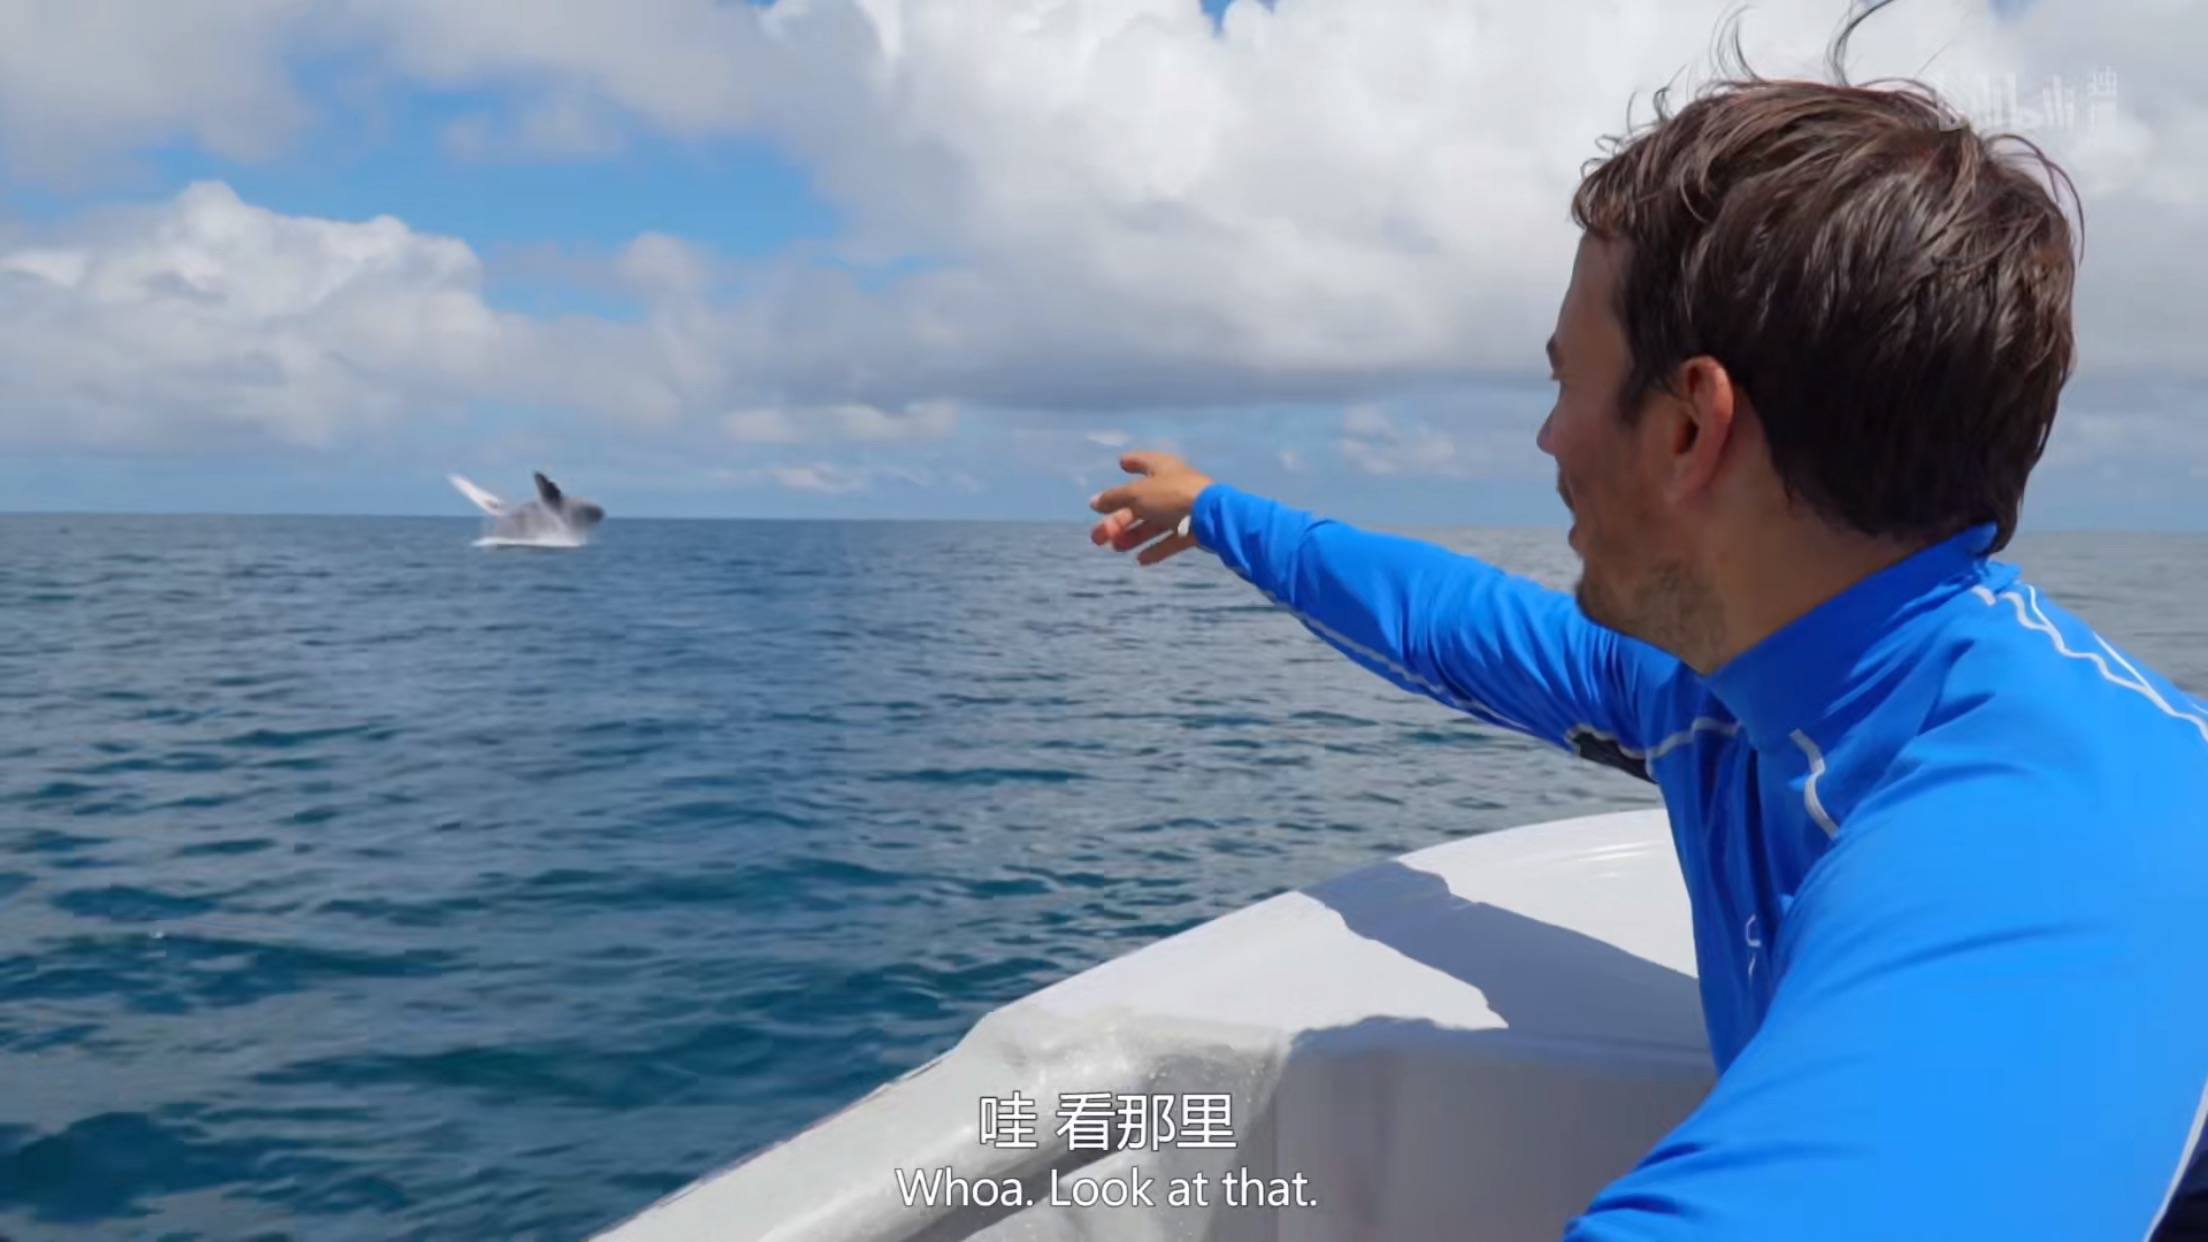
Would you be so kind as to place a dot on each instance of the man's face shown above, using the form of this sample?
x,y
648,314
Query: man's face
x,y
1616,521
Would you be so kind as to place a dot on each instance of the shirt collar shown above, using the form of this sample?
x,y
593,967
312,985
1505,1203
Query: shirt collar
x,y
1797,674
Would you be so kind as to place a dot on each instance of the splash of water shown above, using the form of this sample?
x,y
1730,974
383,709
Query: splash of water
x,y
550,521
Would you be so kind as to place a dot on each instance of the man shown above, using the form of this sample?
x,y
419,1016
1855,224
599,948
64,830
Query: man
x,y
1947,849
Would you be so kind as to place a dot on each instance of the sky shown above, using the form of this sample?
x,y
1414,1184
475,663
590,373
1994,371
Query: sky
x,y
941,259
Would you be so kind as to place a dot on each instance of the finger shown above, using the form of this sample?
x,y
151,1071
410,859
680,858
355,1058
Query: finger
x,y
1136,535
1111,498
1171,545
1144,462
1104,531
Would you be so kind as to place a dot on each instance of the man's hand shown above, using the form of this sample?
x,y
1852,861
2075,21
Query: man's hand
x,y
1149,508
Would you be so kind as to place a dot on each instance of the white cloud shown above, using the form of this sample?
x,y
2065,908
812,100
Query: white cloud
x,y
2132,427
84,81
693,67
1375,443
657,265
207,313
206,316
825,478
210,316
924,420
1323,201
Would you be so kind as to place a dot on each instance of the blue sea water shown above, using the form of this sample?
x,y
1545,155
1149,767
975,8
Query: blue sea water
x,y
359,883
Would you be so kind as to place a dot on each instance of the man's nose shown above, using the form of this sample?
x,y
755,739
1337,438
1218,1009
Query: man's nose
x,y
1541,437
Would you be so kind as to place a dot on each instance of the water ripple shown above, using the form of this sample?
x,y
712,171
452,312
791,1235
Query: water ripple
x,y
358,884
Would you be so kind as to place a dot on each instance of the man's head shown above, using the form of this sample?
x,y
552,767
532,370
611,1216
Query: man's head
x,y
1611,468
1794,302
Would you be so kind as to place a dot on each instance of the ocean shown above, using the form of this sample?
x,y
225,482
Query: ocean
x,y
359,883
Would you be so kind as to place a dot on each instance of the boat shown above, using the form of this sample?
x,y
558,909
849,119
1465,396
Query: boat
x,y
1466,1042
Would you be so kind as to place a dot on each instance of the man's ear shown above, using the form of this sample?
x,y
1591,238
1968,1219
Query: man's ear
x,y
1702,423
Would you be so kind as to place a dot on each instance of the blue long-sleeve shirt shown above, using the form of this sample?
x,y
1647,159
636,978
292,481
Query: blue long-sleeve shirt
x,y
1947,855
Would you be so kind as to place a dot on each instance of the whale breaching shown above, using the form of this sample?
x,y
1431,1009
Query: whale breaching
x,y
553,520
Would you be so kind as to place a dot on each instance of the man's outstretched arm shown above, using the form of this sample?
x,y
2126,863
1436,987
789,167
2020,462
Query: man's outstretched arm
x,y
1501,648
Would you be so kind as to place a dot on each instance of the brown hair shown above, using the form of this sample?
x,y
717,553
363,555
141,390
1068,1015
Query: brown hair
x,y
1889,288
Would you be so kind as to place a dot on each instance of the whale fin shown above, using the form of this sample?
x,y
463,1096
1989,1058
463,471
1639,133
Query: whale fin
x,y
483,500
548,490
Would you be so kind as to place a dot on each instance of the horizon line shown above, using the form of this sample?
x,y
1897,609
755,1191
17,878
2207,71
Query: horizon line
x,y
2023,530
